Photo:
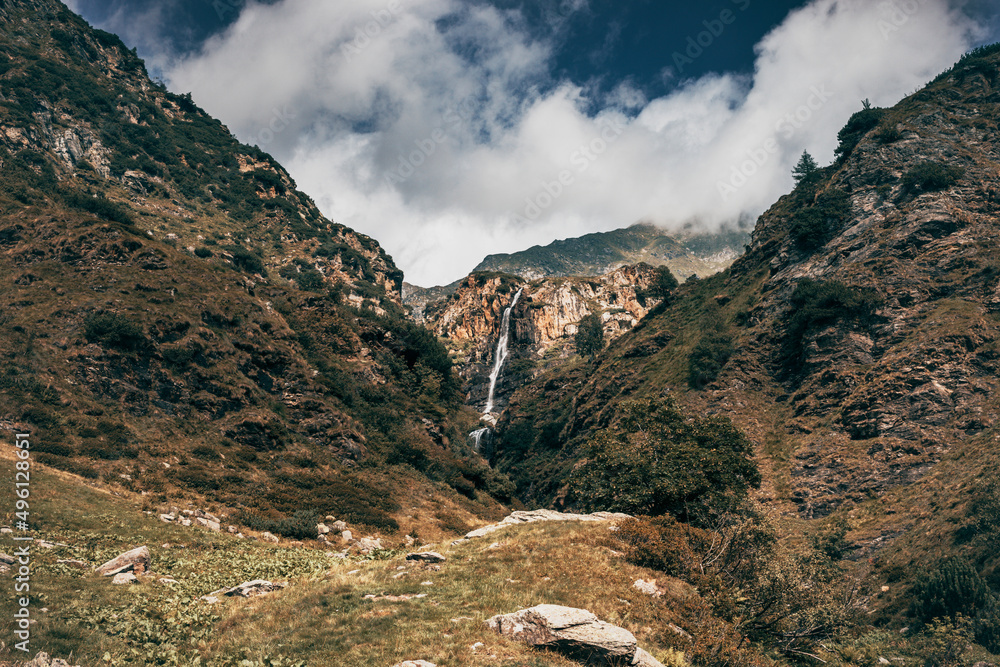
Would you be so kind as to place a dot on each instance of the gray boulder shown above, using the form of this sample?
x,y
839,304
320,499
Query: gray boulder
x,y
135,561
250,589
576,633
427,557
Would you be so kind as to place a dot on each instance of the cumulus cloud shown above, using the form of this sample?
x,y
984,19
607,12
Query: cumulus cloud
x,y
435,126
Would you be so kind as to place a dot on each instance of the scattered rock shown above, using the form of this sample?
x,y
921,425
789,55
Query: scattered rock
x,y
427,557
168,518
369,544
8,560
125,578
269,537
214,526
648,587
322,529
338,526
43,660
167,580
251,589
415,663
577,633
395,598
533,516
209,599
347,536
329,519
137,561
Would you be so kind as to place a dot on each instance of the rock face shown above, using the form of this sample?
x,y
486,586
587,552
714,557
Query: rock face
x,y
542,325
576,633
136,561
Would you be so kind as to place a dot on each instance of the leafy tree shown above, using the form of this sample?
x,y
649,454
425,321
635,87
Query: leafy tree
x,y
805,167
657,461
589,338
664,282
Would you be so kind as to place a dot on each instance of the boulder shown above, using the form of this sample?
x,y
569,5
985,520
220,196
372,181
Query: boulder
x,y
427,557
338,526
648,587
369,544
137,561
269,537
346,536
43,660
250,589
125,578
7,559
577,633
322,529
214,526
414,663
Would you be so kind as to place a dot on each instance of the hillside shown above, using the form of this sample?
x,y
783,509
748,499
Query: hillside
x,y
179,320
855,342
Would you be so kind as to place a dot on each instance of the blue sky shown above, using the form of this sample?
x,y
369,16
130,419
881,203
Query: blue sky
x,y
451,129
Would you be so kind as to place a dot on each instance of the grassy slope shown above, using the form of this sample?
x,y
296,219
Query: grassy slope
x,y
333,624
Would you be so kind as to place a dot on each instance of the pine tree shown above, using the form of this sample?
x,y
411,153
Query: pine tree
x,y
590,336
805,168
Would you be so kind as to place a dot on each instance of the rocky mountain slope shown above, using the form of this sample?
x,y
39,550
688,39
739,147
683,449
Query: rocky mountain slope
x,y
856,341
686,253
179,319
543,323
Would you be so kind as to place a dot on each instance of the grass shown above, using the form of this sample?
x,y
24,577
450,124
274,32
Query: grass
x,y
155,623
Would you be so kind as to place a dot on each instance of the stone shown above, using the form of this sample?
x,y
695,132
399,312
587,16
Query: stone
x,y
322,529
427,557
232,530
7,560
269,537
648,587
214,526
251,589
338,526
347,536
369,544
533,516
125,578
577,633
137,561
414,663
168,518
43,660
329,519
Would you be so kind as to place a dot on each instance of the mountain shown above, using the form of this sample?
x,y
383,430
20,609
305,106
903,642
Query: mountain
x,y
855,343
180,321
686,254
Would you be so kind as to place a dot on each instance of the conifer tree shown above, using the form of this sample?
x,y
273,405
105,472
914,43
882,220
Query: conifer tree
x,y
805,168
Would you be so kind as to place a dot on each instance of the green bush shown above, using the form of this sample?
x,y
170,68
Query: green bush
x,y
859,124
930,177
114,331
708,358
813,226
658,461
246,260
203,252
99,206
300,526
955,591
589,339
817,303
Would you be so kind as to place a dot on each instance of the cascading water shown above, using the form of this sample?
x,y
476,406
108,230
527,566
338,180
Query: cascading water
x,y
501,354
484,436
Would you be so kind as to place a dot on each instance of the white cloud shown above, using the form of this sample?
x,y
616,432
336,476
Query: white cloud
x,y
452,93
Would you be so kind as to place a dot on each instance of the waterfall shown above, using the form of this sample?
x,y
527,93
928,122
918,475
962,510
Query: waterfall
x,y
501,354
477,437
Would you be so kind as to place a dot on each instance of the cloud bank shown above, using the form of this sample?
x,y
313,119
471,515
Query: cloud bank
x,y
435,126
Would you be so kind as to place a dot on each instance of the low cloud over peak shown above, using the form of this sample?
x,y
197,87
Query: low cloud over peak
x,y
437,126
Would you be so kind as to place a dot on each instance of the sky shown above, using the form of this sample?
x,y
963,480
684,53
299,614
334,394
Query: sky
x,y
453,129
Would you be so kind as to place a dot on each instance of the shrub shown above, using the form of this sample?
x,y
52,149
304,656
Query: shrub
x,y
813,226
246,260
817,303
589,338
656,461
956,592
930,177
708,358
859,124
203,252
114,331
300,526
99,206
